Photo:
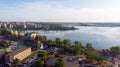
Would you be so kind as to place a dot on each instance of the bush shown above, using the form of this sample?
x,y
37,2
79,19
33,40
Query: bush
x,y
57,55
59,63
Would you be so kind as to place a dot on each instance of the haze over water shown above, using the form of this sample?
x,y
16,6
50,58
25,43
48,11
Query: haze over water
x,y
100,37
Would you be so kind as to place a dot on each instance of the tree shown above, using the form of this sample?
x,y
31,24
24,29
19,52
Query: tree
x,y
57,55
77,42
41,38
66,41
16,62
89,46
66,47
78,47
59,63
58,40
38,63
43,56
41,63
91,57
115,49
50,43
44,38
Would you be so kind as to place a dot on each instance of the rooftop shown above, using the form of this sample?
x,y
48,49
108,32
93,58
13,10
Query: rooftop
x,y
18,51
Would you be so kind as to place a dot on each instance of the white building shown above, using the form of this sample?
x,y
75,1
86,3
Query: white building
x,y
5,25
15,32
11,26
25,26
32,35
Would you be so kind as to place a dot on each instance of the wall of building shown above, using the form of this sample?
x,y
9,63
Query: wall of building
x,y
22,54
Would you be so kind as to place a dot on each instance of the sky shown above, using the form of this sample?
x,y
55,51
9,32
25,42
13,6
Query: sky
x,y
60,10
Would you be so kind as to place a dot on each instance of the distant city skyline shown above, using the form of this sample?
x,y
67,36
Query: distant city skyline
x,y
60,10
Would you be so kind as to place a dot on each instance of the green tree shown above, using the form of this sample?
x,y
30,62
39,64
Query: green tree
x,y
91,57
41,63
78,47
59,63
66,47
16,62
43,56
89,46
115,49
66,41
38,63
41,38
58,40
77,42
57,55
44,38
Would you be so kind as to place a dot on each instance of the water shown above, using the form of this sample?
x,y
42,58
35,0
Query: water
x,y
100,37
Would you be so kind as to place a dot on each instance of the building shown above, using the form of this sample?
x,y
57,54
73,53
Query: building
x,y
19,54
5,25
25,26
32,35
10,26
13,45
14,32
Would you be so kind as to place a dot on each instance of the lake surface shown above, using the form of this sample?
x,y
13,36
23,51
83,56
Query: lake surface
x,y
100,37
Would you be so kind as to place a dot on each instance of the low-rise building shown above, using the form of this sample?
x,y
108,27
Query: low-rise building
x,y
19,54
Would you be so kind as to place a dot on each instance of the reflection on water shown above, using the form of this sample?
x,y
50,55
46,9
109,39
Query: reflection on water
x,y
100,37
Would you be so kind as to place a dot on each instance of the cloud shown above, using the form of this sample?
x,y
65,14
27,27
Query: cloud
x,y
56,12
